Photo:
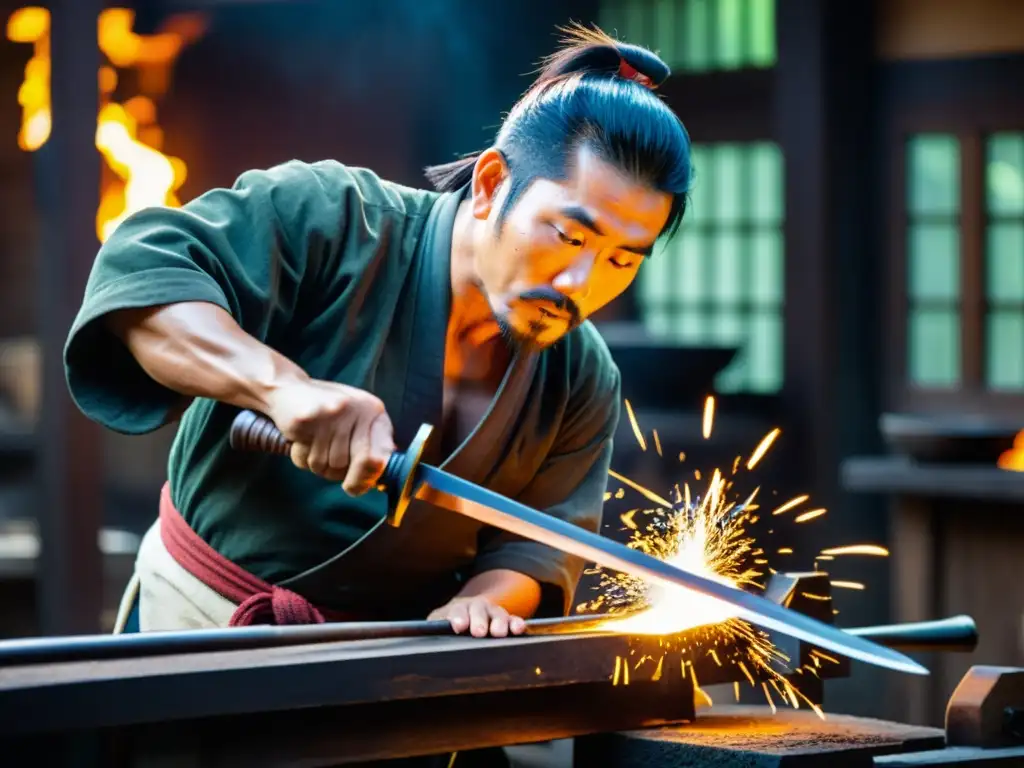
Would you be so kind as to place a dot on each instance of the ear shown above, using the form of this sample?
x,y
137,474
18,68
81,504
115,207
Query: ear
x,y
489,172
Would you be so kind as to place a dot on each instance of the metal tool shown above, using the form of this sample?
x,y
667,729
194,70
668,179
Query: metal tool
x,y
52,650
406,478
953,634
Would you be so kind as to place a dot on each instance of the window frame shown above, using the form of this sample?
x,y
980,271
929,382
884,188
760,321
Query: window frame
x,y
971,128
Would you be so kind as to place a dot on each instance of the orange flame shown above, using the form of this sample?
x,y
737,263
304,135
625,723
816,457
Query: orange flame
x,y
1013,459
127,134
32,25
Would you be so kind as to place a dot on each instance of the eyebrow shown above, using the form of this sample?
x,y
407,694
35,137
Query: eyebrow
x,y
582,217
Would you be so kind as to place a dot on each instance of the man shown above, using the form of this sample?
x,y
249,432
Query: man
x,y
351,310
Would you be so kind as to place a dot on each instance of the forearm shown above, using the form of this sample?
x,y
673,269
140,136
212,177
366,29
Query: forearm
x,y
516,592
198,350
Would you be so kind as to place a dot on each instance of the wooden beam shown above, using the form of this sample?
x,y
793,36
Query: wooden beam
x,y
724,106
70,504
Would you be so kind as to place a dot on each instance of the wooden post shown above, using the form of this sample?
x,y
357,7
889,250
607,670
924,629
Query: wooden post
x,y
825,126
70,469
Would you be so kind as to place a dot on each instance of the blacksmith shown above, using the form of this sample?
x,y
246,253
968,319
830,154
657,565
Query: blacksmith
x,y
351,310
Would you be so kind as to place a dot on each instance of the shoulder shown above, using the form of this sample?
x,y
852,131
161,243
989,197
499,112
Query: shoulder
x,y
297,183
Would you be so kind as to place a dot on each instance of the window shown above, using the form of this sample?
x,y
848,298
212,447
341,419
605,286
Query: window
x,y
719,281
1004,261
965,300
933,261
697,35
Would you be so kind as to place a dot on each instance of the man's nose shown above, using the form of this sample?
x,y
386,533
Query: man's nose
x,y
574,281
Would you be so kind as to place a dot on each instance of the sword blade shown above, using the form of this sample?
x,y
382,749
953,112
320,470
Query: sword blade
x,y
449,492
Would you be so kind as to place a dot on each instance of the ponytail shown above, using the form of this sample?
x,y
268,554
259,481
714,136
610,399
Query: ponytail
x,y
450,177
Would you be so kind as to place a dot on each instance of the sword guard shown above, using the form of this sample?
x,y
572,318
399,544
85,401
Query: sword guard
x,y
399,475
256,433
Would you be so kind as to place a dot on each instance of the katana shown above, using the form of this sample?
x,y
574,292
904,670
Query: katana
x,y
406,478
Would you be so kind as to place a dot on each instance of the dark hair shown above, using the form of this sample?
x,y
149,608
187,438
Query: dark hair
x,y
598,92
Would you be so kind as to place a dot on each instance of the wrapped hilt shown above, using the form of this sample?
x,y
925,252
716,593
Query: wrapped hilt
x,y
256,433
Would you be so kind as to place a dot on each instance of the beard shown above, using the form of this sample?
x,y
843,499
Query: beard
x,y
531,339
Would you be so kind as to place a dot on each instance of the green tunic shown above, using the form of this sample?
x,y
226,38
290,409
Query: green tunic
x,y
347,275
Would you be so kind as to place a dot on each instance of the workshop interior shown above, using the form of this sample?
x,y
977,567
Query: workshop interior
x,y
822,386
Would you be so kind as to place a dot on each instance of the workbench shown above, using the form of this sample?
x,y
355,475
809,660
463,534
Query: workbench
x,y
338,703
626,701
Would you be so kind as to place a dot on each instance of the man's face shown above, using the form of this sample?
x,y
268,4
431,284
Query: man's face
x,y
565,249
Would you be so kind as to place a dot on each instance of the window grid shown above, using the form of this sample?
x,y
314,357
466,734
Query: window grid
x,y
1004,261
933,235
719,281
697,35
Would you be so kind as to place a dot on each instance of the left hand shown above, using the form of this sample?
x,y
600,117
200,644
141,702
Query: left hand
x,y
480,616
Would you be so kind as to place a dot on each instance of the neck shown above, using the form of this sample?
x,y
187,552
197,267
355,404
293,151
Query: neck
x,y
472,330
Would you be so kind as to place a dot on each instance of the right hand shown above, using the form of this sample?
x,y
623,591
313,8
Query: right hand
x,y
338,432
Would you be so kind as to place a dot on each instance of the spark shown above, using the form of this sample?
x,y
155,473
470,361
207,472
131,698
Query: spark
x,y
811,515
847,585
636,426
640,489
709,416
856,549
767,695
791,504
704,532
762,448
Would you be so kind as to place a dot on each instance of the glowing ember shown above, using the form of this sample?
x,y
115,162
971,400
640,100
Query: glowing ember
x,y
706,534
709,416
636,427
811,515
856,549
790,505
139,174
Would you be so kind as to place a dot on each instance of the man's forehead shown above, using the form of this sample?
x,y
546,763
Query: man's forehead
x,y
595,185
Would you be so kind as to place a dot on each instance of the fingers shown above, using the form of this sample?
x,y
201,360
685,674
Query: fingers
x,y
370,448
300,455
516,625
338,456
457,615
480,616
328,454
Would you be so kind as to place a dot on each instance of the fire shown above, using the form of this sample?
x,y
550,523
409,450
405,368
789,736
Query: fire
x,y
706,535
1013,459
139,174
32,25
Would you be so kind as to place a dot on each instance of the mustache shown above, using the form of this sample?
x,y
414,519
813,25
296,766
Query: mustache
x,y
560,301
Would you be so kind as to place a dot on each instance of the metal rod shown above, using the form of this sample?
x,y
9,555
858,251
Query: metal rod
x,y
954,634
957,634
51,650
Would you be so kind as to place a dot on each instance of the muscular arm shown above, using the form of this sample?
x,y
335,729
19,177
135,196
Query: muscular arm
x,y
180,301
198,350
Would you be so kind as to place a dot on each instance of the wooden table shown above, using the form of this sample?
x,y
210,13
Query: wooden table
x,y
957,546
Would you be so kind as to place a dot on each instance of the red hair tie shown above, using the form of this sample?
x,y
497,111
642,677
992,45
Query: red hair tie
x,y
627,71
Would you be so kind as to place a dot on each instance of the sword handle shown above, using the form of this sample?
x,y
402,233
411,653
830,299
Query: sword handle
x,y
255,433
